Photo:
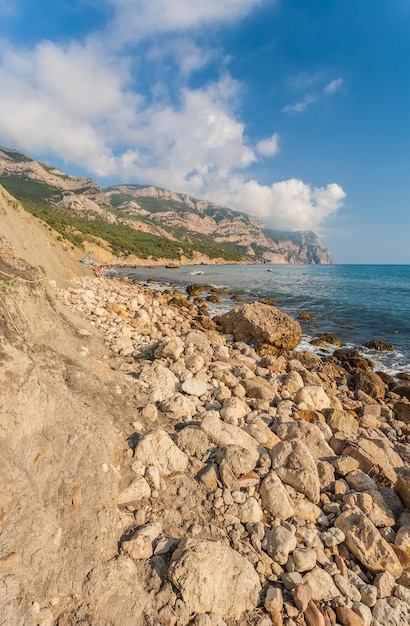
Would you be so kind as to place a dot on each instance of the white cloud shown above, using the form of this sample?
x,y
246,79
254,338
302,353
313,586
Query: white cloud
x,y
299,107
268,147
333,86
82,102
135,19
289,204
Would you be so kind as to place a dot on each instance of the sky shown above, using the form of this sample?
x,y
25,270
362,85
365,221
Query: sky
x,y
295,111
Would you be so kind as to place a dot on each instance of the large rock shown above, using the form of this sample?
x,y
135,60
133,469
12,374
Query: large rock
x,y
261,324
275,498
309,434
321,584
157,448
343,422
213,577
370,383
295,465
373,506
155,383
391,612
366,543
259,388
314,397
223,434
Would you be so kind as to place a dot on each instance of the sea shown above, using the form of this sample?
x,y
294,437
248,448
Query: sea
x,y
356,303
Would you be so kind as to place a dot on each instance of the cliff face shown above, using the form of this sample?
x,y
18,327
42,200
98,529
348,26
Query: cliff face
x,y
192,227
179,211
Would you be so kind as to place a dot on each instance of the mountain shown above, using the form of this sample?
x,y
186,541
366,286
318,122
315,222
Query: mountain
x,y
144,222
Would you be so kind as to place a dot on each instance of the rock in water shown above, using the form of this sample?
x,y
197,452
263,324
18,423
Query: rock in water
x,y
213,577
261,324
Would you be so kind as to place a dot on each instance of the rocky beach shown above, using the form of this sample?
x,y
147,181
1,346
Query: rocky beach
x,y
159,467
261,486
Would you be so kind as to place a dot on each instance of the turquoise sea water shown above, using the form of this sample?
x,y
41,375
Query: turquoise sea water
x,y
354,302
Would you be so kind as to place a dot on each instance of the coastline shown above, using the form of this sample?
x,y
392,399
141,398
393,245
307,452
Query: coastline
x,y
257,462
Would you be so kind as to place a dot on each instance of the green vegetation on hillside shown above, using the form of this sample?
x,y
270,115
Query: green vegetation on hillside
x,y
27,190
14,155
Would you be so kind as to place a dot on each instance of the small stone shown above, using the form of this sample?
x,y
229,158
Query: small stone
x,y
228,478
279,542
364,612
347,617
208,476
359,481
140,545
368,594
302,595
346,588
137,490
250,511
384,584
345,464
273,600
333,537
304,559
291,579
157,448
313,615
295,466
194,387
238,458
322,585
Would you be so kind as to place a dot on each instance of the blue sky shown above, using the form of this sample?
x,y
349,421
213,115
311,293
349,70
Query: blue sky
x,y
292,110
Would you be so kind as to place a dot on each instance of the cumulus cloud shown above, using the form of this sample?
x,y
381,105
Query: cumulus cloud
x,y
333,86
86,103
289,204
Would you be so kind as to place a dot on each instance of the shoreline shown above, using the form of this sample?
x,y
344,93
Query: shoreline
x,y
316,326
290,470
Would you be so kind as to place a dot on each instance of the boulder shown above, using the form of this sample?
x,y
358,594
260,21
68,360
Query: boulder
x,y
157,448
403,485
275,498
370,383
259,388
178,406
212,577
261,324
373,506
223,434
321,584
402,411
155,383
391,612
307,433
314,397
343,422
366,543
295,465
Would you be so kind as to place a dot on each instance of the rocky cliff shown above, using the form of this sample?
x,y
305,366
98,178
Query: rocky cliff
x,y
147,222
